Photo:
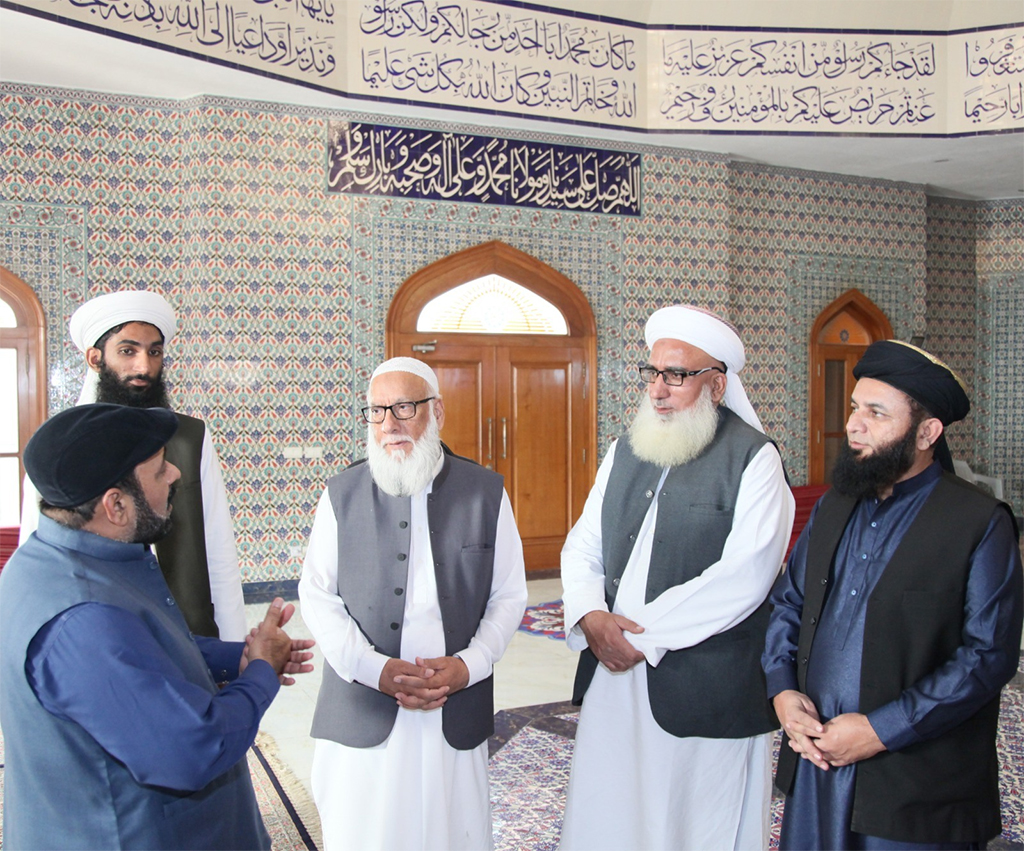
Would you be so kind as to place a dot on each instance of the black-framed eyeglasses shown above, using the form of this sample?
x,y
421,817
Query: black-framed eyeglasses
x,y
673,377
400,410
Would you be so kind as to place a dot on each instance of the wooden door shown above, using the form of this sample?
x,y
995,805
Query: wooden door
x,y
541,443
839,338
518,406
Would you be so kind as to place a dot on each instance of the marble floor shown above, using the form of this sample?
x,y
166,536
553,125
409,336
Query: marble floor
x,y
534,670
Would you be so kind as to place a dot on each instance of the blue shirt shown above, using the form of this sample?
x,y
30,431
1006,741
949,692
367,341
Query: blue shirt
x,y
100,666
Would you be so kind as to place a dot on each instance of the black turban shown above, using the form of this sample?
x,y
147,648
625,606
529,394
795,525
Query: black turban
x,y
923,378
81,452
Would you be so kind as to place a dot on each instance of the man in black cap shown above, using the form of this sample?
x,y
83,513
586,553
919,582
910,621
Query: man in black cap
x,y
121,730
895,625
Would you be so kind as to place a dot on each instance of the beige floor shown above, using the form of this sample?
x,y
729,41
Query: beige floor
x,y
533,670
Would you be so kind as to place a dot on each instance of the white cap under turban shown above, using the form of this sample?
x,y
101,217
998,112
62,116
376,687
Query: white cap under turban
x,y
416,367
716,337
97,316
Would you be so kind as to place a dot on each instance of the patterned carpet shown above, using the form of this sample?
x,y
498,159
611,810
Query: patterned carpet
x,y
532,750
544,619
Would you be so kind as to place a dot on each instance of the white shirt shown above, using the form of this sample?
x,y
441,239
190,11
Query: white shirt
x,y
724,594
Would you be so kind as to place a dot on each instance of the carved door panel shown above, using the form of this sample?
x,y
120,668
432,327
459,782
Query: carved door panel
x,y
541,443
520,410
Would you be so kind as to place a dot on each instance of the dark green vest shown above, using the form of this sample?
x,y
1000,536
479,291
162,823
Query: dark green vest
x,y
715,689
182,554
945,789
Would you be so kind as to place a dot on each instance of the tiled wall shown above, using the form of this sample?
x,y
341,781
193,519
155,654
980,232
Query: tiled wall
x,y
282,289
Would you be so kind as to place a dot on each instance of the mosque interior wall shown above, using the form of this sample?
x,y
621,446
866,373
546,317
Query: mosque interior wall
x,y
283,288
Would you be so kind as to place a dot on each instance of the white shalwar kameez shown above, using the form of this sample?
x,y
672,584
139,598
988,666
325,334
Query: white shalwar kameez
x,y
413,792
633,785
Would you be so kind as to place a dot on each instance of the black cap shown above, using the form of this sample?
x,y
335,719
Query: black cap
x,y
81,452
924,378
918,374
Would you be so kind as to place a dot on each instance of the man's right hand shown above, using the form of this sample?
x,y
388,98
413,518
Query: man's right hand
x,y
604,633
271,643
799,718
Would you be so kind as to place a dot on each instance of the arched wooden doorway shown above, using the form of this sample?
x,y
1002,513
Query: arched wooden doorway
x,y
23,369
841,333
522,404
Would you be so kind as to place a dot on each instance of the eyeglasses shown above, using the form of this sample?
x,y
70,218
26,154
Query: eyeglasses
x,y
400,410
673,377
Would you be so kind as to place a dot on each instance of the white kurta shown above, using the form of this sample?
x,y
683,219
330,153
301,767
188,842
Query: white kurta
x,y
633,785
414,791
221,555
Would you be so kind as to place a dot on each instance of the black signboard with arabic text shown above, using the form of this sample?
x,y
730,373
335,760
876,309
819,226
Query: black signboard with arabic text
x,y
370,159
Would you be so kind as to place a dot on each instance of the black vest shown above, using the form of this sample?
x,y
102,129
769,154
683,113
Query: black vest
x,y
182,553
374,538
945,789
715,689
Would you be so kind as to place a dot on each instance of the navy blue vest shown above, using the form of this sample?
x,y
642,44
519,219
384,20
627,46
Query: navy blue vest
x,y
61,789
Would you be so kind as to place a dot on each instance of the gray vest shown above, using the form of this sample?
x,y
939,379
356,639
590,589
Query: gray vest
x,y
182,553
61,788
715,689
373,544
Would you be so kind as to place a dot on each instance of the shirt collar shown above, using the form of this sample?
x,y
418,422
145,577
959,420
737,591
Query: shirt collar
x,y
88,543
927,476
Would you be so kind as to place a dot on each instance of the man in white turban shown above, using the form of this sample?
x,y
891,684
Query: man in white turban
x,y
123,336
413,586
665,581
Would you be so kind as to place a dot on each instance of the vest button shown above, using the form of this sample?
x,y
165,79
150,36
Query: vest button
x,y
398,592
394,626
402,524
803,661
170,601
813,621
632,537
824,582
401,556
615,581
649,494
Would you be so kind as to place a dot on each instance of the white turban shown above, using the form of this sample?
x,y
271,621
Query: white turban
x,y
716,337
97,316
416,367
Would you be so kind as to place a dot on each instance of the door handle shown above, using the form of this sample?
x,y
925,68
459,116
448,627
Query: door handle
x,y
504,438
490,438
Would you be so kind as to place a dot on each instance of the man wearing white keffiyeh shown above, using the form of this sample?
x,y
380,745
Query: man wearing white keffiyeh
x,y
122,336
665,578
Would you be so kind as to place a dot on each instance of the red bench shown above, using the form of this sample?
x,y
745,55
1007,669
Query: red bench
x,y
806,496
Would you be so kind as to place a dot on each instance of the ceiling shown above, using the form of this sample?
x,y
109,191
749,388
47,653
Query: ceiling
x,y
41,52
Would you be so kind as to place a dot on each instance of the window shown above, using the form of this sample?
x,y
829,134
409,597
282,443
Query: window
x,y
491,305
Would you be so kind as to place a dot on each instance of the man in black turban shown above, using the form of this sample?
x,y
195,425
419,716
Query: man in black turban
x,y
895,625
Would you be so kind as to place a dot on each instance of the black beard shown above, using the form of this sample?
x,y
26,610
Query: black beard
x,y
118,391
149,527
867,476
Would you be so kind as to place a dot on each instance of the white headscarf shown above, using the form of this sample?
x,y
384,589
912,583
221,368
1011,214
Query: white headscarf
x,y
416,367
97,316
716,337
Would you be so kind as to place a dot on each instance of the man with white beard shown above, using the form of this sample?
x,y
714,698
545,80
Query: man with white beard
x,y
665,581
413,586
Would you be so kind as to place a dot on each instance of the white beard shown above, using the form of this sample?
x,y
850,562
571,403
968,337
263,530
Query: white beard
x,y
401,474
675,439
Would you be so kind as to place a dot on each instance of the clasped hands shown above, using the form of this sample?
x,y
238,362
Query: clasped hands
x,y
425,684
270,642
844,740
